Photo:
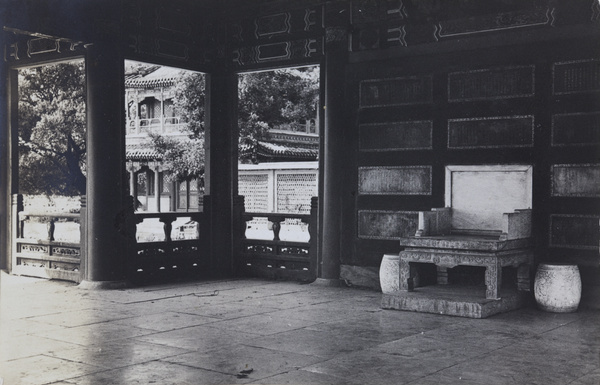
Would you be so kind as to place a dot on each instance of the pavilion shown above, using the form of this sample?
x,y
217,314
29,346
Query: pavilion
x,y
408,87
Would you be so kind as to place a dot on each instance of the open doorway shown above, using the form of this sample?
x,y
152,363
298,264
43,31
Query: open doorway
x,y
165,146
51,173
278,172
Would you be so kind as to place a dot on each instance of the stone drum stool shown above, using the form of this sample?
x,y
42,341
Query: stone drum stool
x,y
389,275
557,287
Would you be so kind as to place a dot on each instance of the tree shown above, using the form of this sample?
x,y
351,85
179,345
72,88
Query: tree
x,y
274,100
52,126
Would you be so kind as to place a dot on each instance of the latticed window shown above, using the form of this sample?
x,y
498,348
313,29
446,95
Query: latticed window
x,y
165,183
255,189
142,181
294,192
156,107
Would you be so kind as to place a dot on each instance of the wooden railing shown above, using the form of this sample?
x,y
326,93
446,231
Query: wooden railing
x,y
171,256
41,254
155,125
186,254
276,258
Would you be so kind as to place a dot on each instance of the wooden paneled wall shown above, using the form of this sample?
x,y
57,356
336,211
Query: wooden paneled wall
x,y
521,104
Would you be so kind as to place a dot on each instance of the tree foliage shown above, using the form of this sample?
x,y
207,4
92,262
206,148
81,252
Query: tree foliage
x,y
185,158
274,100
52,126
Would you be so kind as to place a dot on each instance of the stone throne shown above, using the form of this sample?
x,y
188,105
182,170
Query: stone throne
x,y
486,223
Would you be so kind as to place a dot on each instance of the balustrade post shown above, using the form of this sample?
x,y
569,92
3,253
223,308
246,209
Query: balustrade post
x,y
313,223
17,203
21,227
313,233
167,227
82,234
276,227
239,216
17,207
51,227
239,227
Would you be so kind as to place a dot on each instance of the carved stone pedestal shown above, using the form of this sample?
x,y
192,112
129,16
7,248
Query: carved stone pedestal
x,y
450,251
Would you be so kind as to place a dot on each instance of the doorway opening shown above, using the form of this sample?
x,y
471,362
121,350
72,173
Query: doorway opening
x,y
165,147
278,172
51,170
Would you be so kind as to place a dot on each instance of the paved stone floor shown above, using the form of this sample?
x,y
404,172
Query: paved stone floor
x,y
263,332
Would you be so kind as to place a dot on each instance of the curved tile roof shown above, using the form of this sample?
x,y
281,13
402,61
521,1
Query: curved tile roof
x,y
278,150
141,153
153,77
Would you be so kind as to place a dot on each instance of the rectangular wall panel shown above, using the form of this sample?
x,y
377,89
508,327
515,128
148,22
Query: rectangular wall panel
x,y
403,180
574,231
576,129
501,83
576,77
576,180
491,132
396,91
390,225
395,136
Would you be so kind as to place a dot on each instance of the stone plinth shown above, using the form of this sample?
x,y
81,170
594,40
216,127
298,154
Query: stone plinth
x,y
454,300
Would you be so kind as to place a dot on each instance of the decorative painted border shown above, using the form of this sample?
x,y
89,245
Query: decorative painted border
x,y
494,22
554,65
428,168
574,165
289,51
416,213
569,246
552,131
398,148
50,46
493,118
170,20
262,25
382,80
529,94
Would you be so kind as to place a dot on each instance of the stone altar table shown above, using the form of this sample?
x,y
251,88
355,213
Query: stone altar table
x,y
473,230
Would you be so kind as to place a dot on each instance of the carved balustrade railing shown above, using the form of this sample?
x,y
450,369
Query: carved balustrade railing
x,y
155,125
276,258
178,249
46,244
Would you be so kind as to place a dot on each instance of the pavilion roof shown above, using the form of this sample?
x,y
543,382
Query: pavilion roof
x,y
141,153
264,149
153,77
281,150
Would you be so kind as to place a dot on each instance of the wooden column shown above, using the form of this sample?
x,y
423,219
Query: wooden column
x,y
157,187
132,182
106,254
9,161
333,74
221,164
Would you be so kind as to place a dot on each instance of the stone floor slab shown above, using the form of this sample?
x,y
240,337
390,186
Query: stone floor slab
x,y
21,346
42,369
313,342
165,321
259,362
199,338
117,354
157,372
